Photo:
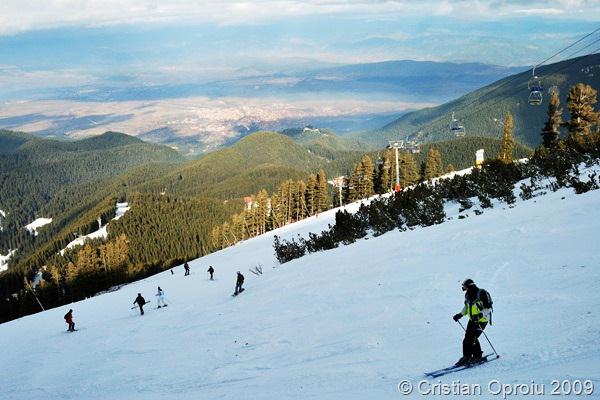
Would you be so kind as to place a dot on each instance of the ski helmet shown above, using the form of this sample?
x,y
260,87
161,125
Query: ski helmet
x,y
466,283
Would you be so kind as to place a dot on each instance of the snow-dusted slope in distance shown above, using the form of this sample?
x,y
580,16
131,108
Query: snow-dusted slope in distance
x,y
101,232
349,323
38,223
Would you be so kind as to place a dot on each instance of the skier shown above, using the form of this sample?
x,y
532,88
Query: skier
x,y
211,271
238,284
69,320
160,298
187,269
478,308
140,301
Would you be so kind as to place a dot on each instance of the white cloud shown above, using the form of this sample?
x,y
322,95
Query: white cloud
x,y
17,15
540,11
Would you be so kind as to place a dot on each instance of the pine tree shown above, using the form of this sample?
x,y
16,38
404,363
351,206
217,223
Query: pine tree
x,y
300,201
506,149
277,219
408,170
581,102
384,177
434,166
422,169
312,188
262,212
551,131
366,180
354,184
323,192
450,168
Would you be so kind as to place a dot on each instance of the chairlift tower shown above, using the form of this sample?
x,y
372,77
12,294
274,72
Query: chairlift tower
x,y
397,145
338,182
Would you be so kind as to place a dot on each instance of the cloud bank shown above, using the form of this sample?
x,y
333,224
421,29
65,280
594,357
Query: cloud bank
x,y
20,16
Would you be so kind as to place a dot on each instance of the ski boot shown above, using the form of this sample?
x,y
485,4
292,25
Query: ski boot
x,y
463,361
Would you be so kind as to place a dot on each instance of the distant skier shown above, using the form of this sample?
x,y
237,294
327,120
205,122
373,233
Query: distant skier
x,y
238,284
478,307
172,273
69,320
140,301
187,269
160,298
211,271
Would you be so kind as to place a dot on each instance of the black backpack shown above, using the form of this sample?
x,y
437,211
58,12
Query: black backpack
x,y
486,300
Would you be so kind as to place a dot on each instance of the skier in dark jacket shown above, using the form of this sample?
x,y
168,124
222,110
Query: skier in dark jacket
x,y
478,313
140,301
69,320
186,266
238,284
211,271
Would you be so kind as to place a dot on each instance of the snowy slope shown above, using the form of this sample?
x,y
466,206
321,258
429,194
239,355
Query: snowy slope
x,y
101,232
349,323
38,223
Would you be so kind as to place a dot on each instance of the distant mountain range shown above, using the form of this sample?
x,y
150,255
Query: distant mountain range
x,y
414,81
200,117
482,111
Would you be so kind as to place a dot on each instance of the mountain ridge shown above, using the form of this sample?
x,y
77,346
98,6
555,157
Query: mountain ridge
x,y
482,110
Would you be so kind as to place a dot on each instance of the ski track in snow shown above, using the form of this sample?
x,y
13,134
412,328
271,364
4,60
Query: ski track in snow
x,y
349,323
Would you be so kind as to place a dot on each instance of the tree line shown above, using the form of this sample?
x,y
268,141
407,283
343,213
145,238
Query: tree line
x,y
423,204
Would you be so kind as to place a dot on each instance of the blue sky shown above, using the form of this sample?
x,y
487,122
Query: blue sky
x,y
69,42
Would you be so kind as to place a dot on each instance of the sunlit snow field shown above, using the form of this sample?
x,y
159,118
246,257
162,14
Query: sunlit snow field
x,y
349,323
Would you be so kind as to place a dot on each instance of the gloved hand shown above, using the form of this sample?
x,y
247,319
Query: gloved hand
x,y
457,317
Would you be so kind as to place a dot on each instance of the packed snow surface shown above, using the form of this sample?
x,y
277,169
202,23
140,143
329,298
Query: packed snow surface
x,y
101,233
38,223
349,323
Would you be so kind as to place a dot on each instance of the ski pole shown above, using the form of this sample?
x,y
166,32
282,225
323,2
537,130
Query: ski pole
x,y
486,337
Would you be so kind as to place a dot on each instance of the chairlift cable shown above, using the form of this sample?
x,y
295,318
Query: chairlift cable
x,y
558,70
566,48
517,76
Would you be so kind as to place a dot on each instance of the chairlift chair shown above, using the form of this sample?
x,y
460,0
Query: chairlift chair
x,y
456,127
536,89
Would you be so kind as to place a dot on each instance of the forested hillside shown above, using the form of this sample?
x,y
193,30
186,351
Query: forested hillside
x,y
482,111
260,160
33,171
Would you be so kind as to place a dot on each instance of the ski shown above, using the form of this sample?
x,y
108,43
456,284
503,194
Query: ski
x,y
456,368
138,306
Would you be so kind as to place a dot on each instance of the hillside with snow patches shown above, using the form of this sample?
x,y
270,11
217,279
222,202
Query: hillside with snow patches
x,y
101,232
349,323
